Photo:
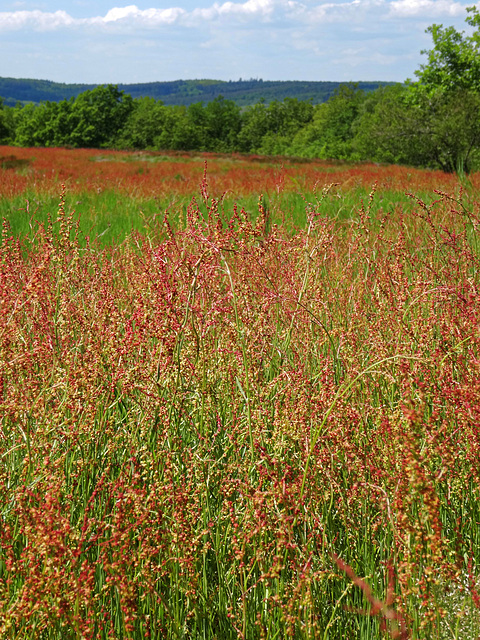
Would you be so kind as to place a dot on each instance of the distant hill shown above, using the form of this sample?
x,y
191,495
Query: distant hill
x,y
181,92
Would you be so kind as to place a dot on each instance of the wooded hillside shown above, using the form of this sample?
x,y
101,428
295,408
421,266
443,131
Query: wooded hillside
x,y
180,92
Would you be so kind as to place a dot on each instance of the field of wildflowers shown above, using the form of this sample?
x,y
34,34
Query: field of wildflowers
x,y
155,175
225,426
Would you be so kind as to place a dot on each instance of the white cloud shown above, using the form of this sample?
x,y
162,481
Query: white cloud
x,y
251,7
306,12
427,8
133,14
259,9
333,12
38,20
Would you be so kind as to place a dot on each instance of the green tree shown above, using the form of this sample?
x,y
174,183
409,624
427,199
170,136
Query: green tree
x,y
454,62
183,128
254,126
451,129
36,125
435,121
386,126
331,131
447,92
270,129
439,131
7,127
94,119
221,125
98,116
144,125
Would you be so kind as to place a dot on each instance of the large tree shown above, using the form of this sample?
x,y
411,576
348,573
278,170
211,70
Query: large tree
x,y
448,93
98,116
93,119
454,62
439,130
434,121
144,125
330,132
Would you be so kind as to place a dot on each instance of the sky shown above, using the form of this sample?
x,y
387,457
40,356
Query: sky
x,y
104,41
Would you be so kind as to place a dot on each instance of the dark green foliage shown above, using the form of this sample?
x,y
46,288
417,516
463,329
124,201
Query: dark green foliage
x,y
23,90
221,124
454,62
6,124
45,125
439,130
142,127
450,131
330,133
181,92
98,116
270,129
94,119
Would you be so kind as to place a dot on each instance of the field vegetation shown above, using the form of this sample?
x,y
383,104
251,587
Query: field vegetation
x,y
251,413
113,192
240,395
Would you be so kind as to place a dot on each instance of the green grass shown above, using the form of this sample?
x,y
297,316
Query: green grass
x,y
109,217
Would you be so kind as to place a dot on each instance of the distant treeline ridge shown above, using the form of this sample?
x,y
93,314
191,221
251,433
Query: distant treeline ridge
x,y
180,92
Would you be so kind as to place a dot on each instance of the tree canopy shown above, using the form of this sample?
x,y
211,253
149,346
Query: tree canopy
x,y
454,62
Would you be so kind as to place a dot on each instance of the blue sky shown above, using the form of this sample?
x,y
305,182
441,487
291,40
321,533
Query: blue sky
x,y
105,41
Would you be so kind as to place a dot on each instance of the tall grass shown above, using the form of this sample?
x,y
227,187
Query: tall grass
x,y
109,217
221,428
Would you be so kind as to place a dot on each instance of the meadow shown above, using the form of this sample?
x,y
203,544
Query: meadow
x,y
239,398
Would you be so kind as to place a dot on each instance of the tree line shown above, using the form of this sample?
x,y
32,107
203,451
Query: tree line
x,y
181,92
432,122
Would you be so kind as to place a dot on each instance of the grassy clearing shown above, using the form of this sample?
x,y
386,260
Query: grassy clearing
x,y
222,427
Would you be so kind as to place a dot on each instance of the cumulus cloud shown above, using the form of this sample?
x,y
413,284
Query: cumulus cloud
x,y
427,8
262,10
330,11
132,15
38,20
296,11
